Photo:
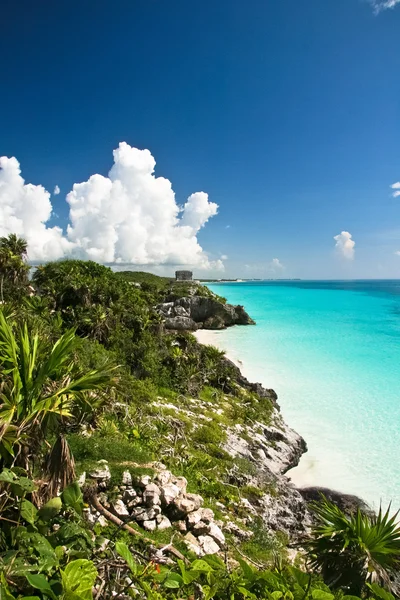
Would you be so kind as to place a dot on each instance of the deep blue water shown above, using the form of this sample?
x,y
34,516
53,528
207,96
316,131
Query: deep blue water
x,y
331,350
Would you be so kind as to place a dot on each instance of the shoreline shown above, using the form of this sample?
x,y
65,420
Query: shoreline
x,y
305,474
301,475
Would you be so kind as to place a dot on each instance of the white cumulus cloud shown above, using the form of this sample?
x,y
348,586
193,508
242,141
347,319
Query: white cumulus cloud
x,y
345,245
56,190
396,188
129,217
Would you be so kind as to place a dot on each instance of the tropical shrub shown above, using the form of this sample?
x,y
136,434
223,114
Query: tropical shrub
x,y
352,551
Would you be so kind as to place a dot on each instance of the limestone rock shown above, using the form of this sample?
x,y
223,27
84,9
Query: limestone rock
x,y
102,521
119,509
192,544
144,481
102,473
180,324
151,495
181,526
163,477
129,495
141,513
207,515
165,523
193,518
191,311
208,545
126,478
169,492
215,532
241,534
200,528
181,483
149,525
183,505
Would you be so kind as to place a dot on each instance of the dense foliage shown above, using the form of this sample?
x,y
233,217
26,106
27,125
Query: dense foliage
x,y
87,372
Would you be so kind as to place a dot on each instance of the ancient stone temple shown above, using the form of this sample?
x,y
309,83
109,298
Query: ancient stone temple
x,y
183,275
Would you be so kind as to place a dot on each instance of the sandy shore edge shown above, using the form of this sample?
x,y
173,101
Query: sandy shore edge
x,y
301,476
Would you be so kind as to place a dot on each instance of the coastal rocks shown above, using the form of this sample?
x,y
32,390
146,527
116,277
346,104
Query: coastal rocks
x,y
346,502
195,312
254,443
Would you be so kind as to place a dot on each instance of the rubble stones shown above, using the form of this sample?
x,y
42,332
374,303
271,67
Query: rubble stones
x,y
126,478
192,544
164,523
119,509
168,493
208,545
152,495
163,477
149,525
102,473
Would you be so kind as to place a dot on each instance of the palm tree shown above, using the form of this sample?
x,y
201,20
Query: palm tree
x,y
352,551
15,245
42,389
13,267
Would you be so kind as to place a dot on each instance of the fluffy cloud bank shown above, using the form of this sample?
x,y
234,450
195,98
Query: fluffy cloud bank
x,y
129,217
345,245
396,187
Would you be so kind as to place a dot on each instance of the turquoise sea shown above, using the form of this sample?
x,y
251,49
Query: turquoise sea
x,y
331,350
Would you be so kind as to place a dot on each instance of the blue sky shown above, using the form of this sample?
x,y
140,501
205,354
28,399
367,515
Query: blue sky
x,y
286,113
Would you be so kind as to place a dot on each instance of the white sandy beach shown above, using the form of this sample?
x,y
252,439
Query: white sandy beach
x,y
305,474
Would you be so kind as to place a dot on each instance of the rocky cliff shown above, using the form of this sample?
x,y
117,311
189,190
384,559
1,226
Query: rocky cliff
x,y
201,312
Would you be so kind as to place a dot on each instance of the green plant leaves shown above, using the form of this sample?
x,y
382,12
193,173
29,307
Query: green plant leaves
x,y
122,549
50,509
78,579
173,581
321,595
72,497
41,583
28,512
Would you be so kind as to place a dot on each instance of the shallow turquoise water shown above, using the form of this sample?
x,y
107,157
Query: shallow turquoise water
x,y
331,350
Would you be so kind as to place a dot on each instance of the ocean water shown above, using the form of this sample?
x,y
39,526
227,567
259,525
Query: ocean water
x,y
331,350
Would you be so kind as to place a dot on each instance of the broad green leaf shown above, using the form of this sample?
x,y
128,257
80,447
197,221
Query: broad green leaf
x,y
28,511
379,592
23,484
201,565
72,496
50,509
78,578
7,476
173,581
40,582
277,595
248,571
301,577
321,595
124,552
215,561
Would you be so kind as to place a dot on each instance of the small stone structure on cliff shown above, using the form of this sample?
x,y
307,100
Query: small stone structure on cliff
x,y
183,275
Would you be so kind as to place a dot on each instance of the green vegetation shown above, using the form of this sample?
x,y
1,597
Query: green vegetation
x,y
87,373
